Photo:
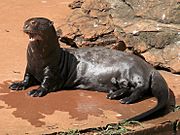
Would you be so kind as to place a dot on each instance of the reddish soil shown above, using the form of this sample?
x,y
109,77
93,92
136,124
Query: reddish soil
x,y
57,111
13,40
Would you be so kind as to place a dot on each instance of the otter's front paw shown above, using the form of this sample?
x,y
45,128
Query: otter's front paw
x,y
40,92
18,86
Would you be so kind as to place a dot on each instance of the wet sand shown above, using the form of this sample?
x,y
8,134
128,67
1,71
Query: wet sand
x,y
59,110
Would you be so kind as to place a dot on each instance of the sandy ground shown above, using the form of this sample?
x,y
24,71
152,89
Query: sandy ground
x,y
57,111
13,41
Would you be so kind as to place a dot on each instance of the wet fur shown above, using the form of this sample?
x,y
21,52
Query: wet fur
x,y
123,76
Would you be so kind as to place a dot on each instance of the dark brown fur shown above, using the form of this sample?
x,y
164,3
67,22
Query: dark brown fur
x,y
123,76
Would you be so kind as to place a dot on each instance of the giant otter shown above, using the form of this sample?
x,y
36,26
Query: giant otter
x,y
123,76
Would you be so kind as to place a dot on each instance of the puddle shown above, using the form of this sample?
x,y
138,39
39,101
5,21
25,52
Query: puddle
x,y
78,103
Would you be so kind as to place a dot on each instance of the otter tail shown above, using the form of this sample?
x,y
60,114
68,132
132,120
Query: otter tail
x,y
160,90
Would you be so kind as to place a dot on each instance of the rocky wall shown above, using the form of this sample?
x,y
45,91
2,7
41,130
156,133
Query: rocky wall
x,y
148,28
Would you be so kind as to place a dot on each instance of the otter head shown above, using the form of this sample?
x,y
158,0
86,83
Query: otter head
x,y
39,29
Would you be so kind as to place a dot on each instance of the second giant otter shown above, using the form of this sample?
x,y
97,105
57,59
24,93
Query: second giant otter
x,y
123,76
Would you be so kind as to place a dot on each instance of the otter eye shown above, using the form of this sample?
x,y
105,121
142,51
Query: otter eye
x,y
33,22
51,23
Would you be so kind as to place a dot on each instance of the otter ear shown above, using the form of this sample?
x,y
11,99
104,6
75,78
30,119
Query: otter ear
x,y
51,23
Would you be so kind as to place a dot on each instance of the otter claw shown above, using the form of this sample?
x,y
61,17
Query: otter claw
x,y
116,94
125,100
18,86
111,96
38,92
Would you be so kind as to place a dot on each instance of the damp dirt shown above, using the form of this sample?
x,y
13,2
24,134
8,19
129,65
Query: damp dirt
x,y
79,104
69,109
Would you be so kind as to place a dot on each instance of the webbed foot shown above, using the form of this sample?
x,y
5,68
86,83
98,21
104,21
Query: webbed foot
x,y
126,100
114,95
40,92
18,86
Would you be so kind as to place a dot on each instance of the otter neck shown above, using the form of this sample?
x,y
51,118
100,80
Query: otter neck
x,y
43,49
